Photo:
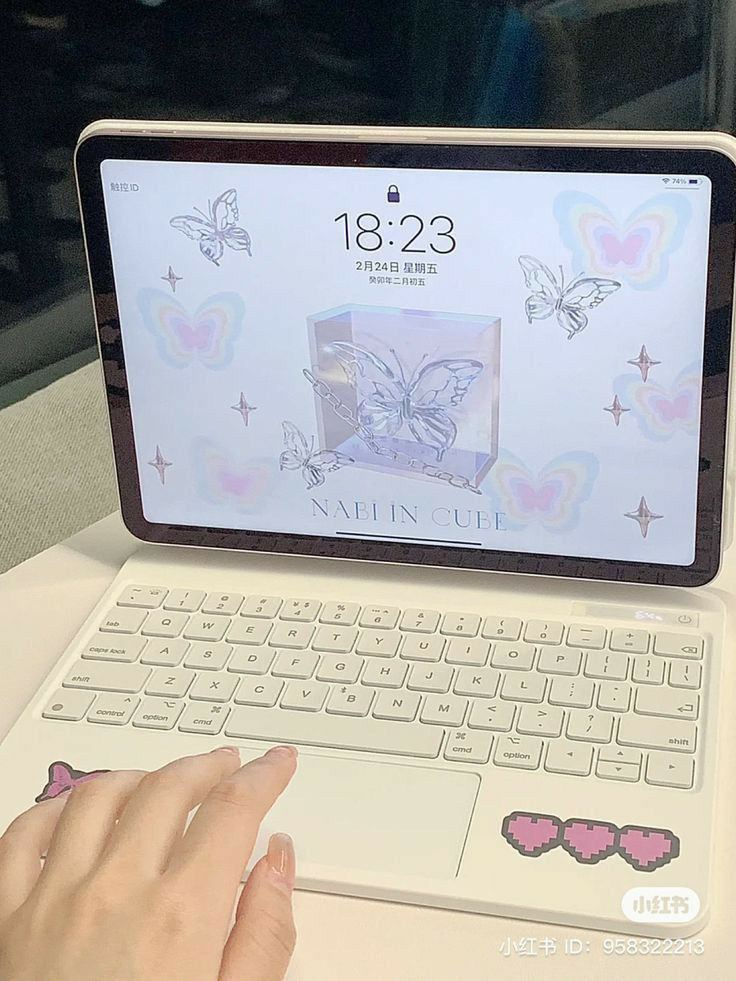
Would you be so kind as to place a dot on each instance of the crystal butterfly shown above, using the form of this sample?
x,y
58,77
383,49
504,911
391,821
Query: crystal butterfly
x,y
216,230
301,455
567,302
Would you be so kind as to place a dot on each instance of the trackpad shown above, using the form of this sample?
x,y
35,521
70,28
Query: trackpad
x,y
376,816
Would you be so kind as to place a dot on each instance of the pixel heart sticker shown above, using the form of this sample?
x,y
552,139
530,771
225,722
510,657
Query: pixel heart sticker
x,y
589,841
531,834
647,849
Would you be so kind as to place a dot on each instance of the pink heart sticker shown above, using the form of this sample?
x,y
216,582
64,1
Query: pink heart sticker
x,y
647,849
589,841
531,834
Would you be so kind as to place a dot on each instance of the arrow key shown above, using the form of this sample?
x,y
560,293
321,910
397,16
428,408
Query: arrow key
x,y
670,770
617,771
669,703
569,757
619,754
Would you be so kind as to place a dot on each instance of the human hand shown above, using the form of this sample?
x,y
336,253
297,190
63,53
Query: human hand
x,y
127,894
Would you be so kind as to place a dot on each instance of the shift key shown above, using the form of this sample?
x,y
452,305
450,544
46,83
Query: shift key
x,y
104,676
652,733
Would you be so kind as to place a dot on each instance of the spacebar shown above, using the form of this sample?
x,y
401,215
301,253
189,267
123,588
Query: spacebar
x,y
366,735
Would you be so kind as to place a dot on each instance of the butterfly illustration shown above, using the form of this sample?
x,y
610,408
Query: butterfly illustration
x,y
389,399
636,248
224,480
207,335
63,777
301,455
568,303
662,412
216,230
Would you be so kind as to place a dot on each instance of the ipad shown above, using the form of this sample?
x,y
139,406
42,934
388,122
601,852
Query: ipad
x,y
465,349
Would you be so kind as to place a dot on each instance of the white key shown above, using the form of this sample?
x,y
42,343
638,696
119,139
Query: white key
x,y
652,733
518,657
266,607
167,653
208,657
381,643
399,706
540,720
683,674
523,687
477,681
460,624
123,621
629,641
614,696
251,660
626,772
420,621
210,628
227,604
304,610
247,630
259,691
468,746
204,717
502,628
103,647
419,648
667,702
157,713
343,669
330,730
620,754
582,635
560,660
147,597
523,752
444,710
437,678
606,664
172,683
572,692
113,710
648,670
68,705
213,687
384,617
295,665
543,632
670,770
566,757
350,700
385,674
104,676
185,600
679,645
590,726
160,624
309,697
491,713
334,640
340,614
294,636
473,651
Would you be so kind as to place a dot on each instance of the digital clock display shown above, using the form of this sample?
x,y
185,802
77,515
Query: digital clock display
x,y
411,234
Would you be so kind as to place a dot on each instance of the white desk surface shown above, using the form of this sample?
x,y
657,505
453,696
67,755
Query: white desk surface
x,y
43,602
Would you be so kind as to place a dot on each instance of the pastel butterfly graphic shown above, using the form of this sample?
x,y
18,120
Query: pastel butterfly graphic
x,y
301,455
550,497
63,777
389,398
662,412
226,481
635,249
217,229
206,336
568,303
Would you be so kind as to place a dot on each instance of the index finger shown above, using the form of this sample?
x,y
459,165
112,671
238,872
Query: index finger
x,y
218,843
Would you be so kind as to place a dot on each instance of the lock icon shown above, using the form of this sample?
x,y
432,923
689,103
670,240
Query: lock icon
x,y
393,194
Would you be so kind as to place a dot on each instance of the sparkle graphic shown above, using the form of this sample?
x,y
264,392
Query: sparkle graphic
x,y
643,517
643,363
172,279
244,409
616,410
159,463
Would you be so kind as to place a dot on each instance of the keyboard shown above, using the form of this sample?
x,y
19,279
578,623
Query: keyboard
x,y
587,700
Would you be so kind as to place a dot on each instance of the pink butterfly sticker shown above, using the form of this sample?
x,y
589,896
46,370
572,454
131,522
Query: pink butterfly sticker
x,y
206,335
662,412
63,778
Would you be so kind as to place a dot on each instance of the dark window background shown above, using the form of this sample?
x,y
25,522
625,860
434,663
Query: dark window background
x,y
659,64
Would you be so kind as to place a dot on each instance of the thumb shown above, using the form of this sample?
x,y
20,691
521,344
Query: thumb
x,y
263,936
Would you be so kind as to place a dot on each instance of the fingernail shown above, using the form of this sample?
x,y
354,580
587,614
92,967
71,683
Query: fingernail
x,y
228,749
281,860
278,751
